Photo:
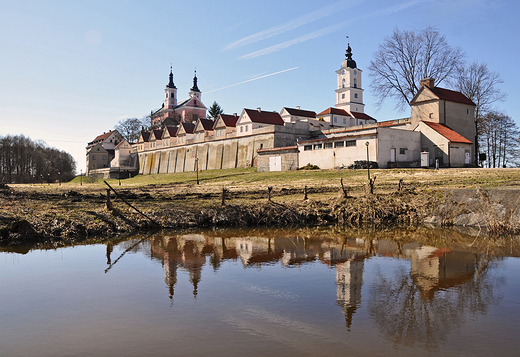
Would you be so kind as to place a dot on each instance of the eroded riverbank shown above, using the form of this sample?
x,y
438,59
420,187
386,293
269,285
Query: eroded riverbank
x,y
61,217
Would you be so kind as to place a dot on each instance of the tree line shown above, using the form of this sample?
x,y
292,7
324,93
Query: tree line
x,y
23,160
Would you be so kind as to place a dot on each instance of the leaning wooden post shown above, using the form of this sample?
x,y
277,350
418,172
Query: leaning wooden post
x,y
109,204
125,201
345,190
223,196
305,192
400,185
370,186
269,189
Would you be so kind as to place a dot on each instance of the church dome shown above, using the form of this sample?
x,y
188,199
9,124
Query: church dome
x,y
348,62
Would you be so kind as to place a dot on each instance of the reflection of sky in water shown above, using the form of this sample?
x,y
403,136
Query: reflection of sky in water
x,y
192,296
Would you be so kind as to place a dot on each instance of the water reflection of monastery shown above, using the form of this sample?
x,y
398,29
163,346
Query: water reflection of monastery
x,y
432,269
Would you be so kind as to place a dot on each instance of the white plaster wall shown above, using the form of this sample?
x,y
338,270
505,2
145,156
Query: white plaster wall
x,y
390,138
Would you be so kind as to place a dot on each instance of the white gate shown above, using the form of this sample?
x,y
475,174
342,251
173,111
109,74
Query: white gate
x,y
275,163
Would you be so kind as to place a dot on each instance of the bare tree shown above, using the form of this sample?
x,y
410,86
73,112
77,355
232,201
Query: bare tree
x,y
23,160
406,57
479,84
130,128
500,139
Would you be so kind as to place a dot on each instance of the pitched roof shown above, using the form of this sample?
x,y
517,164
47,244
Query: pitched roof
x,y
358,115
189,128
448,133
207,124
452,96
332,110
229,120
338,111
172,130
101,138
301,113
444,94
121,144
156,133
264,117
145,135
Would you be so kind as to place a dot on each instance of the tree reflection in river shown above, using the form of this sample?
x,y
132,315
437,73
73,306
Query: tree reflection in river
x,y
431,300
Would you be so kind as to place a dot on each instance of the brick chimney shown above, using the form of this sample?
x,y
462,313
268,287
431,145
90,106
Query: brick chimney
x,y
428,82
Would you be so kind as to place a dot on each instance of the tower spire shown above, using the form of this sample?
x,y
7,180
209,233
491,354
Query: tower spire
x,y
195,88
170,83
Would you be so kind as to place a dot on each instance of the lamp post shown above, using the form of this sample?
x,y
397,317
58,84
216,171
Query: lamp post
x,y
81,177
197,168
368,164
59,178
119,174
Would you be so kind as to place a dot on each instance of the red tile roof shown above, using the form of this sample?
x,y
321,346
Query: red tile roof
x,y
361,115
447,94
189,128
301,113
207,124
145,135
172,130
451,96
334,111
102,137
157,134
448,133
229,120
264,117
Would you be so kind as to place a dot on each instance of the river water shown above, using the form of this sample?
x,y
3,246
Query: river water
x,y
259,293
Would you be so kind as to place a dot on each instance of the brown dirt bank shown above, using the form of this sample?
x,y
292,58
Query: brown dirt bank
x,y
61,215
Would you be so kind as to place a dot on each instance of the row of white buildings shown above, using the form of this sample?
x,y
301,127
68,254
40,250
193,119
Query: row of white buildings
x,y
440,129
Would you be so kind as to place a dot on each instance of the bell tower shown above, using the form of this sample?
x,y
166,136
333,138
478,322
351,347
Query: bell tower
x,y
170,99
349,93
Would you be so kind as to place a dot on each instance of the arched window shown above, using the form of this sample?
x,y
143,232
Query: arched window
x,y
343,84
343,96
355,82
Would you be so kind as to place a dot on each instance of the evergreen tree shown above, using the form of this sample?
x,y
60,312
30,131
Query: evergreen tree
x,y
214,111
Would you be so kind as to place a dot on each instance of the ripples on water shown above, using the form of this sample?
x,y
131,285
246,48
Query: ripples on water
x,y
222,293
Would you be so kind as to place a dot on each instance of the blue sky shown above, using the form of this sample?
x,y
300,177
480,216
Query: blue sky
x,y
70,70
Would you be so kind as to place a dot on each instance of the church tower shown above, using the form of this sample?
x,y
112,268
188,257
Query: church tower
x,y
349,94
194,91
170,99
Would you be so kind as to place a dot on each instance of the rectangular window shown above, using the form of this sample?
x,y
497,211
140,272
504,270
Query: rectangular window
x,y
93,157
307,148
241,129
327,145
104,157
402,151
317,146
339,144
335,120
247,127
350,143
344,121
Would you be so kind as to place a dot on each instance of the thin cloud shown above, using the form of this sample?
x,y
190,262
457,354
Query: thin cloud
x,y
253,79
300,21
331,29
300,39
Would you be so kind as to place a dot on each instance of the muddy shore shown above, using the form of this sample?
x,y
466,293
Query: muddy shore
x,y
63,217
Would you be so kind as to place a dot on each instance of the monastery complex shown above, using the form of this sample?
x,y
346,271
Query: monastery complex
x,y
439,131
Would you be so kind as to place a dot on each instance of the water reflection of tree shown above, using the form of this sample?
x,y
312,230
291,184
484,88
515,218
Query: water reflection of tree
x,y
406,315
